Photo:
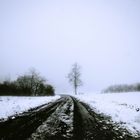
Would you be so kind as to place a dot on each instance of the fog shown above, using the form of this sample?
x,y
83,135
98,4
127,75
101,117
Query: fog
x,y
103,37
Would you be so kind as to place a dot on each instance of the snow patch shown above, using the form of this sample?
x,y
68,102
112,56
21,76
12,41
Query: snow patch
x,y
123,108
11,105
59,122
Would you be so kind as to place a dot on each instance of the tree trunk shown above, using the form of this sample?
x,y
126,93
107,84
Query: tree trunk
x,y
75,90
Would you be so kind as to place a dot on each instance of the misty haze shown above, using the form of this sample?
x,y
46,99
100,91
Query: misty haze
x,y
69,69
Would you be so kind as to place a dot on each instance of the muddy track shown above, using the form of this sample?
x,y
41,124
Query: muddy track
x,y
93,126
23,125
64,119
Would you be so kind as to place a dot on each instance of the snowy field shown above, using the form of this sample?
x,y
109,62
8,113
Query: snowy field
x,y
11,105
123,108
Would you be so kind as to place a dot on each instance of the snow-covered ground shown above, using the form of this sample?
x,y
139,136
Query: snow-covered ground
x,y
124,108
11,105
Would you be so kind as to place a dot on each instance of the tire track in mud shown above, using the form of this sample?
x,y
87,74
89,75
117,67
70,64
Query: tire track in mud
x,y
89,125
22,126
59,125
65,119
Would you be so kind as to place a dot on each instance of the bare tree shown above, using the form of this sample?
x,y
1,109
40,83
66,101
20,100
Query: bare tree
x,y
31,82
74,77
28,84
36,81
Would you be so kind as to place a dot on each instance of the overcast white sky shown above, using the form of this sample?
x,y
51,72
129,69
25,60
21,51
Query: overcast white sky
x,y
103,36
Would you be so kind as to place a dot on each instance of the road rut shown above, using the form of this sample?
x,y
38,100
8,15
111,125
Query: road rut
x,y
65,119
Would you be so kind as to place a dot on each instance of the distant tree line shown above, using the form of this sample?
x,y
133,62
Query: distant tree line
x,y
122,88
31,84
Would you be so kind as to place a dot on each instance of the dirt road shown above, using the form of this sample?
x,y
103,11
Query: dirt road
x,y
65,119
